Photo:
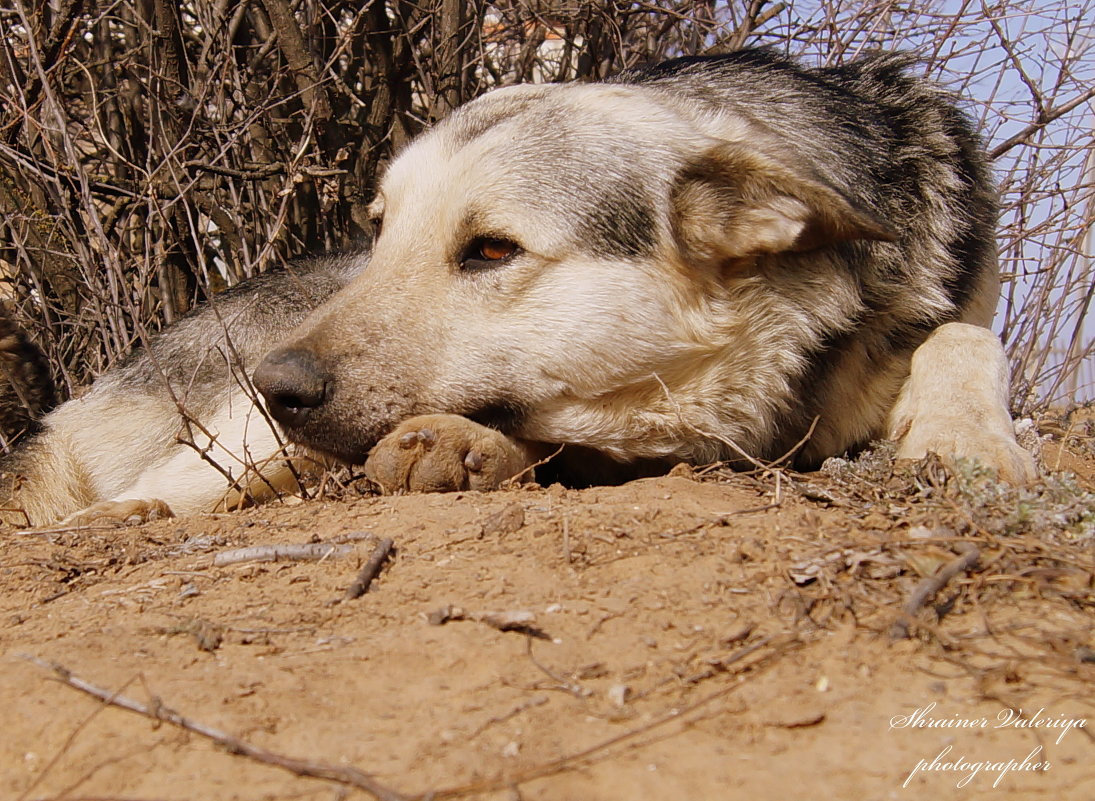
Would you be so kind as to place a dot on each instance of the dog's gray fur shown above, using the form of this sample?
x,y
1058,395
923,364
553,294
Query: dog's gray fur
x,y
709,257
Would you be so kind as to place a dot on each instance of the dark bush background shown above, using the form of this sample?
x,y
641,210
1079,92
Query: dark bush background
x,y
153,152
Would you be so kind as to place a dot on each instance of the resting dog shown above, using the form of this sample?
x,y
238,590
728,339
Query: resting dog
x,y
713,258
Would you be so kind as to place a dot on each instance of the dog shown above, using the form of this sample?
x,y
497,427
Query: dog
x,y
715,258
173,429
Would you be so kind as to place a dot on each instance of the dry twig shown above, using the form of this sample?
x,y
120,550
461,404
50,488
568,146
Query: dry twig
x,y
927,588
349,776
520,620
370,570
304,552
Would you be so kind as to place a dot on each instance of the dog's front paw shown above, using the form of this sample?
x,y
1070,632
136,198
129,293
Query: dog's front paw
x,y
442,453
129,512
951,438
955,404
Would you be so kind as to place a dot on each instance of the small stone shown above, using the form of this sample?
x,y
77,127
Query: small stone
x,y
618,694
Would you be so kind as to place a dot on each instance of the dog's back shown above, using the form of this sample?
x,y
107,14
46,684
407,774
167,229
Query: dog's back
x,y
173,412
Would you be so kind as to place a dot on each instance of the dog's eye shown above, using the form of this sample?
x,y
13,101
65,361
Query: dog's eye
x,y
485,252
378,223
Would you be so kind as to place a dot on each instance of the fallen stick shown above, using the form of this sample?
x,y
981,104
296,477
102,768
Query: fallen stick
x,y
370,570
349,776
927,588
306,552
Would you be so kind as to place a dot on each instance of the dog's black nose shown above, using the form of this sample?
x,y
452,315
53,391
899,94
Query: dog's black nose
x,y
293,383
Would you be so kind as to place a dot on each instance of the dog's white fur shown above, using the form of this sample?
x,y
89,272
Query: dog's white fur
x,y
955,403
122,457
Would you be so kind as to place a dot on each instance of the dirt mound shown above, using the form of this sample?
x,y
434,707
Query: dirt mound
x,y
689,637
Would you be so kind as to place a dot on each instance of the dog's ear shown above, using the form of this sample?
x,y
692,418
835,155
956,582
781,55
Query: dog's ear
x,y
735,202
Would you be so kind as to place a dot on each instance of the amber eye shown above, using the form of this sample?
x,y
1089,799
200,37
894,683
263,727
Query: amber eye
x,y
484,252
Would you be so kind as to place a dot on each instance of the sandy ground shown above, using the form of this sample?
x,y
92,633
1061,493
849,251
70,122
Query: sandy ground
x,y
676,638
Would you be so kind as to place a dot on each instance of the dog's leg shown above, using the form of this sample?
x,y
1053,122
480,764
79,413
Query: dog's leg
x,y
131,511
955,403
446,452
188,484
186,480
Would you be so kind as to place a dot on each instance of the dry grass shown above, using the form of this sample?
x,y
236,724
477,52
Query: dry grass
x,y
964,498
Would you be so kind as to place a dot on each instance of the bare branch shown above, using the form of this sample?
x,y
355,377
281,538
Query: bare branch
x,y
348,776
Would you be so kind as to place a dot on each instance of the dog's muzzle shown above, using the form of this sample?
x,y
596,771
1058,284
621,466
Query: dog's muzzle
x,y
294,385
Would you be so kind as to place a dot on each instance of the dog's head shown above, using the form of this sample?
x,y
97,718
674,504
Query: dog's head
x,y
564,262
